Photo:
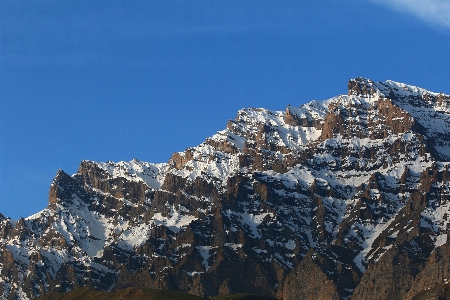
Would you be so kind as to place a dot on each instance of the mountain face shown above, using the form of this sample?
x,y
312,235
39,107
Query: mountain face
x,y
347,198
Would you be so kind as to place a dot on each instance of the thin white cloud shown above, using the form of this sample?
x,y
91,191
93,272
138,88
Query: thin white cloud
x,y
432,11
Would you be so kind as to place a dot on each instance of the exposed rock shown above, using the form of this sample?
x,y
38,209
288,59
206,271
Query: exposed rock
x,y
307,281
347,198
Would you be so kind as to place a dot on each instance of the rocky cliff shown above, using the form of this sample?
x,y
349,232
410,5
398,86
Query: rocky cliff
x,y
347,198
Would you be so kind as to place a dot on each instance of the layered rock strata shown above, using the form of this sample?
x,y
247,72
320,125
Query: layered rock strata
x,y
347,198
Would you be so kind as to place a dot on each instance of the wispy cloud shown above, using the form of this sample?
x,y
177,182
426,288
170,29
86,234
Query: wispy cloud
x,y
432,11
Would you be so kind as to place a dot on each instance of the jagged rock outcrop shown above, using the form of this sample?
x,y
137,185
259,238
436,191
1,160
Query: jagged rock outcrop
x,y
308,281
347,198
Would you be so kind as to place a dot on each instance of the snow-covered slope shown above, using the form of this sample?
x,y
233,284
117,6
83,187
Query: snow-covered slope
x,y
340,188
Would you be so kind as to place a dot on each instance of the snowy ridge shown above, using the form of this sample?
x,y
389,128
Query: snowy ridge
x,y
250,121
134,170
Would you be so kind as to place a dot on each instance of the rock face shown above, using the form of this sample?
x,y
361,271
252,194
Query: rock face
x,y
347,198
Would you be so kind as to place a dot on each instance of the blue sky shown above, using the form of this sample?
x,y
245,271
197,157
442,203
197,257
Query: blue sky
x,y
117,80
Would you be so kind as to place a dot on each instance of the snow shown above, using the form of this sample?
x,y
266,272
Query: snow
x,y
176,220
444,150
86,227
21,294
135,170
290,245
257,250
436,218
20,254
216,165
394,235
6,289
136,236
249,221
433,116
283,261
370,233
441,240
53,259
41,214
401,89
209,163
233,246
194,273
204,252
230,137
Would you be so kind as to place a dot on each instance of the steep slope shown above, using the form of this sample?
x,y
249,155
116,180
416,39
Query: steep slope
x,y
141,294
331,200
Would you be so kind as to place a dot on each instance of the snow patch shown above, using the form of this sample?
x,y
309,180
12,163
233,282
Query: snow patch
x,y
176,220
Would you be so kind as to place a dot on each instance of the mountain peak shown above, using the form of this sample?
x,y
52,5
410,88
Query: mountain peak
x,y
335,189
362,87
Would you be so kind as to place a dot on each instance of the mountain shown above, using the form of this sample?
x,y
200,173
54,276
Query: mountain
x,y
347,198
140,294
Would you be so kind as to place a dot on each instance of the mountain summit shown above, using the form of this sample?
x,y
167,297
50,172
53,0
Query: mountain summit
x,y
347,198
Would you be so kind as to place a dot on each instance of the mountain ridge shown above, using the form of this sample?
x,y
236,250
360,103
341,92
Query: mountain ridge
x,y
345,189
